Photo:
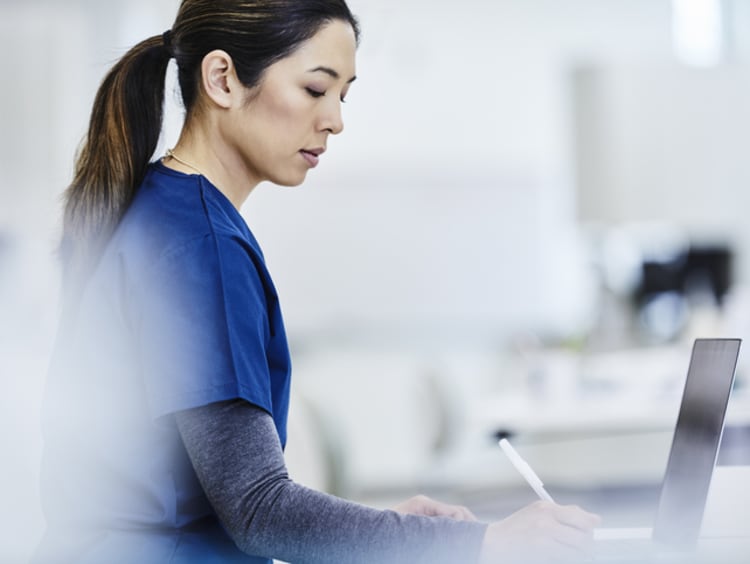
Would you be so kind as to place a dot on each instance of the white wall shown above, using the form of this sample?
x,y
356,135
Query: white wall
x,y
448,204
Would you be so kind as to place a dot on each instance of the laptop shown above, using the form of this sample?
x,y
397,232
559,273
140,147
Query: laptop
x,y
692,458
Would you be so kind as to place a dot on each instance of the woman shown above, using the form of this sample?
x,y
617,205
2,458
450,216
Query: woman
x,y
167,400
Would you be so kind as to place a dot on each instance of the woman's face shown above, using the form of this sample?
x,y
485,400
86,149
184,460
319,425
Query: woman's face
x,y
281,132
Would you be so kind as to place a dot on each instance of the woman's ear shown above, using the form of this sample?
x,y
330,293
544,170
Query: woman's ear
x,y
219,79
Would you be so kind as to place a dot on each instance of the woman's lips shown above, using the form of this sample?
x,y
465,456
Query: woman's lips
x,y
312,157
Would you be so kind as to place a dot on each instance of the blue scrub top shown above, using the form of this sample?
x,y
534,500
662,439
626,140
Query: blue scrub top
x,y
181,312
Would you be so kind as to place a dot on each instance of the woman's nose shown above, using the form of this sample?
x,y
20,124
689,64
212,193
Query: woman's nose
x,y
331,120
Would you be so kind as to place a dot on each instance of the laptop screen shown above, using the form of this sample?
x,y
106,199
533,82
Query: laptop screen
x,y
696,441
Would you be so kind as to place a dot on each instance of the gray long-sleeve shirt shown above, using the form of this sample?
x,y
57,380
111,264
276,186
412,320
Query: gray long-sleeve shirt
x,y
238,458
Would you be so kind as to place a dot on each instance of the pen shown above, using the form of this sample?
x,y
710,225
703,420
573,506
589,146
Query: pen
x,y
525,470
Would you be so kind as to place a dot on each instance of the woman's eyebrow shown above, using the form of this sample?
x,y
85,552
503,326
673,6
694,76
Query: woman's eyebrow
x,y
332,73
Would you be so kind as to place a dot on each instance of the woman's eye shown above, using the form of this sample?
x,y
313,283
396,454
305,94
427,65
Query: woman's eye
x,y
315,93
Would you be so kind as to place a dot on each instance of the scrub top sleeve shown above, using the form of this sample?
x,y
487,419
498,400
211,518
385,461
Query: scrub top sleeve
x,y
204,328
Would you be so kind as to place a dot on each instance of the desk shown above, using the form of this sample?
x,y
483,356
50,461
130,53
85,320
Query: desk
x,y
725,531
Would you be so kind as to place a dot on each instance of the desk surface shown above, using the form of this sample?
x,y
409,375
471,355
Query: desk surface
x,y
725,531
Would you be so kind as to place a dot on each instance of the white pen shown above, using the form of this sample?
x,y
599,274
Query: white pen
x,y
523,467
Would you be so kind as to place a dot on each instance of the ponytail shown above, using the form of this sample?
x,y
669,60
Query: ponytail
x,y
123,132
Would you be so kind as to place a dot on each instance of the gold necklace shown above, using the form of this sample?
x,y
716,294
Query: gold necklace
x,y
170,154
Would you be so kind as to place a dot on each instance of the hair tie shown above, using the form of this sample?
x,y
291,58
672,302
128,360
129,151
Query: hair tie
x,y
166,38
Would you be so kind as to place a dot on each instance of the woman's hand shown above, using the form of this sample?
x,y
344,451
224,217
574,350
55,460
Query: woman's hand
x,y
540,532
423,505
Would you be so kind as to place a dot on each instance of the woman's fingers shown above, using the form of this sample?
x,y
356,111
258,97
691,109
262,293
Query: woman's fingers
x,y
423,505
574,516
542,531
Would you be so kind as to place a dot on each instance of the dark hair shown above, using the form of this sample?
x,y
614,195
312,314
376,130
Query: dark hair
x,y
126,119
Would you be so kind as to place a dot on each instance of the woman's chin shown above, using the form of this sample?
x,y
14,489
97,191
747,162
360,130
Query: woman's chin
x,y
290,181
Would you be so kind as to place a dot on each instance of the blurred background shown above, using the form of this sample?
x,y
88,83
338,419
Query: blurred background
x,y
535,207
